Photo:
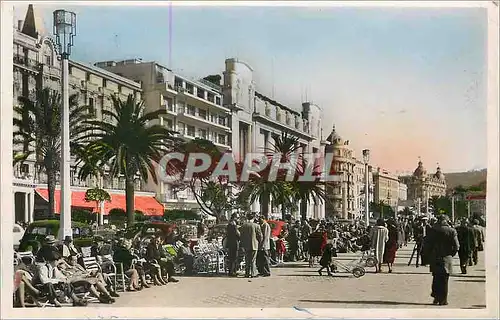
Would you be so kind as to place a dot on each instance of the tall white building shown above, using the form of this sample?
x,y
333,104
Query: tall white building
x,y
36,66
194,110
256,119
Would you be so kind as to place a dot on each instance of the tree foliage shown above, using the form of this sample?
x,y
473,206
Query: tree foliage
x,y
38,132
127,144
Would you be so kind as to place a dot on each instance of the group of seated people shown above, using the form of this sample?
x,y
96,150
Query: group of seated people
x,y
58,273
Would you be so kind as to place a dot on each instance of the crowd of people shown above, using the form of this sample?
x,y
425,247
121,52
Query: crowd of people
x,y
58,273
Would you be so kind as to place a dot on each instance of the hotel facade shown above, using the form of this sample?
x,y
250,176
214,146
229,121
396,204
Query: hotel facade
x,y
36,66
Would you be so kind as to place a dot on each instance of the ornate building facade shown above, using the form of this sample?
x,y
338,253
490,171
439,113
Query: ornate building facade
x,y
423,186
36,66
341,195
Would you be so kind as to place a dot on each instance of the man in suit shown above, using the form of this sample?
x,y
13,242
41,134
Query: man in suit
x,y
479,235
251,236
232,244
263,263
467,244
440,245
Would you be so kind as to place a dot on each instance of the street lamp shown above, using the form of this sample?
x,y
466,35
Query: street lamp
x,y
65,30
366,159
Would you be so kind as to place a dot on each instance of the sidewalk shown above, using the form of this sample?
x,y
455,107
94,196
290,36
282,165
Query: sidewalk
x,y
295,284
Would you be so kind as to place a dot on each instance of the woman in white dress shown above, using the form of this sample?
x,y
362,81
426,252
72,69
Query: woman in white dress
x,y
379,235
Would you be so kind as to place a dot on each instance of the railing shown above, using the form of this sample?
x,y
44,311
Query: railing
x,y
211,85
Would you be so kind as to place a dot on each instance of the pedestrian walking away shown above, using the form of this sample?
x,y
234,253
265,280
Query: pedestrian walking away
x,y
440,245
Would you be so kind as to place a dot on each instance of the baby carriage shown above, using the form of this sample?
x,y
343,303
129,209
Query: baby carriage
x,y
356,267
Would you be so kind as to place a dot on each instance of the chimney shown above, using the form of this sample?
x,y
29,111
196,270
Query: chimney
x,y
20,24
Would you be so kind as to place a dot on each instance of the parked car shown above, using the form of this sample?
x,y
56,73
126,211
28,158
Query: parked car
x,y
148,229
18,232
38,230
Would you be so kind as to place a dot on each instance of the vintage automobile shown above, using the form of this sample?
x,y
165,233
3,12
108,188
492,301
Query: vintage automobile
x,y
149,229
38,230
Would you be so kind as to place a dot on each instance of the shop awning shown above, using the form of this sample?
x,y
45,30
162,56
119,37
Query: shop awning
x,y
146,204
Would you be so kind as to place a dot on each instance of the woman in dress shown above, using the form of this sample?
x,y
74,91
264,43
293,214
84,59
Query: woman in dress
x,y
379,235
392,244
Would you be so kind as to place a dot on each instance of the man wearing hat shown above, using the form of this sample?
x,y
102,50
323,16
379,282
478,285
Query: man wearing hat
x,y
440,245
467,244
48,250
49,275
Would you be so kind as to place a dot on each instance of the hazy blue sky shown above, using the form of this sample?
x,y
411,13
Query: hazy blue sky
x,y
403,82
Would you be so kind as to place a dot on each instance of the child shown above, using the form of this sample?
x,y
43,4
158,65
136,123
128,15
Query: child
x,y
280,248
326,259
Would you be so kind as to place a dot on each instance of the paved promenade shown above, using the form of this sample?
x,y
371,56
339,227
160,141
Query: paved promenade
x,y
295,284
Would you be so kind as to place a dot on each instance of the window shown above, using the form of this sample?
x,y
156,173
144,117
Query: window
x,y
221,139
217,101
200,93
190,131
91,106
25,168
169,124
222,120
191,110
181,128
213,118
48,60
104,82
169,104
202,133
202,113
87,76
42,230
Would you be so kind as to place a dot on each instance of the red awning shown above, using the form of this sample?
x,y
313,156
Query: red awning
x,y
146,204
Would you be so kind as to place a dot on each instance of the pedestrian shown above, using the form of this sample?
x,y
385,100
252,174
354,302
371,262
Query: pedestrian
x,y
305,233
280,249
293,242
467,244
479,235
440,245
263,260
251,236
379,235
326,259
232,244
392,244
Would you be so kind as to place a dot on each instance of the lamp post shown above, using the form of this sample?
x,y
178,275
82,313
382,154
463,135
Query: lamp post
x,y
366,159
64,31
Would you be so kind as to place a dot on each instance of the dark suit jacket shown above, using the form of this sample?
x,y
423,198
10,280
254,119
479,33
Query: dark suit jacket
x,y
251,235
440,245
232,236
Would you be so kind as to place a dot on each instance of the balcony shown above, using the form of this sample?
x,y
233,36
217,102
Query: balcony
x,y
189,93
203,118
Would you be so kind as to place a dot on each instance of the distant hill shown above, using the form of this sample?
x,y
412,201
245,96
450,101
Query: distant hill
x,y
466,179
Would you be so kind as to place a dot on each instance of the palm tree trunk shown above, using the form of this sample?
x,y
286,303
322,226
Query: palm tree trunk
x,y
283,212
264,205
129,196
51,187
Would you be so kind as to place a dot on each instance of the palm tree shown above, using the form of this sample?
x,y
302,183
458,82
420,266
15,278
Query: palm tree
x,y
285,193
38,132
127,144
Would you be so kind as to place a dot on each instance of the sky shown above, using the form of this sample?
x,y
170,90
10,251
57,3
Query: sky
x,y
402,82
